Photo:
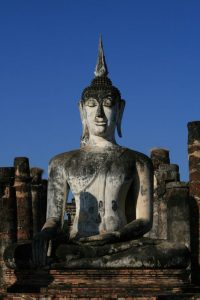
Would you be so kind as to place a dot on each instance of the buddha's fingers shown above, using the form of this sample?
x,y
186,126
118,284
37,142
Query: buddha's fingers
x,y
33,252
40,251
37,245
44,253
90,238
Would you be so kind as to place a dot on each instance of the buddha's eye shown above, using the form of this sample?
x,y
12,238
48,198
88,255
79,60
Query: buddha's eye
x,y
108,102
91,102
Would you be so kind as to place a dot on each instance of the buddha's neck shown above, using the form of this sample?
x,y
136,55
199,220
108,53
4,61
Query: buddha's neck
x,y
102,142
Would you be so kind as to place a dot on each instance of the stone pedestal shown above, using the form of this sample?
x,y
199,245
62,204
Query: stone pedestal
x,y
99,284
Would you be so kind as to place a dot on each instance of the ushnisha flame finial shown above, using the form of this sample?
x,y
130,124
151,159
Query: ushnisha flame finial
x,y
101,67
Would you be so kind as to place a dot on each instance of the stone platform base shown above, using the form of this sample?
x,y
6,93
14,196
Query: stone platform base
x,y
99,284
99,296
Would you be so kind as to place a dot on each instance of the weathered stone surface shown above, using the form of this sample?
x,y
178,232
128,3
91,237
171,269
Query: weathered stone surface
x,y
177,184
143,253
70,210
178,216
112,185
24,212
8,213
166,177
194,188
159,156
101,284
36,175
23,198
8,216
37,198
193,132
167,173
22,171
43,202
7,175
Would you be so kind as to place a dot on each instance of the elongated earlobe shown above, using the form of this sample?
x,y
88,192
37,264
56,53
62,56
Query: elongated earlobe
x,y
119,117
85,132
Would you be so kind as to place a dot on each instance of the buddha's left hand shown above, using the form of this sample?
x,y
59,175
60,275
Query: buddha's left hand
x,y
104,237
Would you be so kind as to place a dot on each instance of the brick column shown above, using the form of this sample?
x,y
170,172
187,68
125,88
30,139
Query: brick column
x,y
194,190
178,217
164,172
36,192
159,156
8,214
23,197
43,203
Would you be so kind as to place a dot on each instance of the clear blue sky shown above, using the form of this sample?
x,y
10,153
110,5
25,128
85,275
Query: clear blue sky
x,y
48,51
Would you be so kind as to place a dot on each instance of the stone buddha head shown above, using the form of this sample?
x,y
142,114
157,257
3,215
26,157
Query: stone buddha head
x,y
101,106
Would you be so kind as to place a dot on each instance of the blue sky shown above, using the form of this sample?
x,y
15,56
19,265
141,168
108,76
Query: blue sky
x,y
48,52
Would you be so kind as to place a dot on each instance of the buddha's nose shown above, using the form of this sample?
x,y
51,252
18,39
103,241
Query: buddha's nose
x,y
100,112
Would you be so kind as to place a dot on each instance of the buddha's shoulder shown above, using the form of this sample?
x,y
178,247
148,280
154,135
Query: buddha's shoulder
x,y
136,156
65,157
89,156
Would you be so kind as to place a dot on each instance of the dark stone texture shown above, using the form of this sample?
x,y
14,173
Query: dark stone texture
x,y
70,210
43,203
18,255
8,222
139,254
8,213
129,284
178,218
167,173
194,189
36,175
24,212
22,171
37,199
194,131
171,203
142,253
7,175
36,196
159,156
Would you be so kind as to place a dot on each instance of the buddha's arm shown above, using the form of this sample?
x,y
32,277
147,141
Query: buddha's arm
x,y
56,197
144,204
57,189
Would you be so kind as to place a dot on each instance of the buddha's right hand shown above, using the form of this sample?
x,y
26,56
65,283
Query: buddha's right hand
x,y
40,244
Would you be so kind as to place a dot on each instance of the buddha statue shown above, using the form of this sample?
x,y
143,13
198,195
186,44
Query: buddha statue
x,y
112,186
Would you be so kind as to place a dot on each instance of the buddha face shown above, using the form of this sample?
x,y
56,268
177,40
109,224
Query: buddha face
x,y
101,112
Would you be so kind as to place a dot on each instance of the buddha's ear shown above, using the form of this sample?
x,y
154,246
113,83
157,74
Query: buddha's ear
x,y
80,105
85,133
119,116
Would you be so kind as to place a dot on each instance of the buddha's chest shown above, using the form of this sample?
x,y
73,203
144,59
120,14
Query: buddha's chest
x,y
98,173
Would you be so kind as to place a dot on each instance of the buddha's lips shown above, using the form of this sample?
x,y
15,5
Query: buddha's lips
x,y
100,123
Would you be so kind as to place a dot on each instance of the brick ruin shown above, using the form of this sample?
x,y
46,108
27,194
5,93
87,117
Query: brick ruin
x,y
23,196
